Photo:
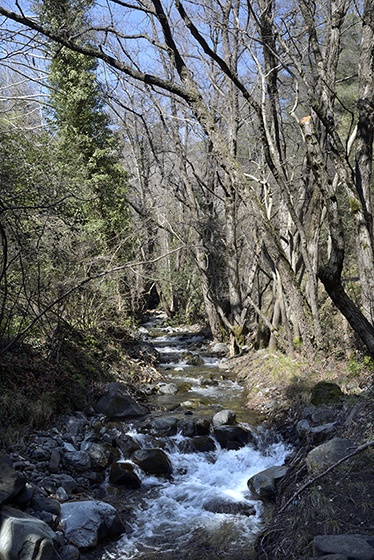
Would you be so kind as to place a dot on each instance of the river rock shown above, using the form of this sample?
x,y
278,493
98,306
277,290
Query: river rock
x,y
54,461
168,388
164,426
328,453
23,537
69,552
153,461
224,418
220,348
78,460
11,483
354,547
315,434
264,483
122,474
221,505
55,481
126,444
86,523
233,437
101,455
116,403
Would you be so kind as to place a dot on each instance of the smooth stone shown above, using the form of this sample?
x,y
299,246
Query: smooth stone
x,y
224,418
264,483
86,523
354,547
328,453
153,461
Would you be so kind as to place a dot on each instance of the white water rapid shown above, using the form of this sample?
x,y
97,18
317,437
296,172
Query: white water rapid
x,y
205,509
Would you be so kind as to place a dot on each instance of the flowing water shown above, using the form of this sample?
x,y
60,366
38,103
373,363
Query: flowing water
x,y
205,510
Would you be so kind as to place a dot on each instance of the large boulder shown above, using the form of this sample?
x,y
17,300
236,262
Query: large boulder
x,y
153,461
264,484
86,523
23,537
354,547
122,474
11,483
328,453
326,393
233,437
116,403
224,418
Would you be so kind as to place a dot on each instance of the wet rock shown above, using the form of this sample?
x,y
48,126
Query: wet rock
x,y
153,461
24,537
202,444
165,426
264,483
326,393
233,437
220,505
127,445
11,482
224,418
86,523
122,474
168,389
116,403
194,360
328,453
354,547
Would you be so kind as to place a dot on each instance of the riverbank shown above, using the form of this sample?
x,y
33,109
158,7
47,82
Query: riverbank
x,y
278,394
341,502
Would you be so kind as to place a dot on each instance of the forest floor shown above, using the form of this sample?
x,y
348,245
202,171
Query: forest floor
x,y
342,501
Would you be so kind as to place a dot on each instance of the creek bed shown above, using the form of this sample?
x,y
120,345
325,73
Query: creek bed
x,y
205,509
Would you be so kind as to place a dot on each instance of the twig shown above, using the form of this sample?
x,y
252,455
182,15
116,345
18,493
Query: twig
x,y
322,474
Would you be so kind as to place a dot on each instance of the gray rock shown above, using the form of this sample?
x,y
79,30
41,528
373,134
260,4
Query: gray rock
x,y
50,505
224,418
331,557
168,389
127,445
78,460
165,426
86,523
61,494
122,474
328,453
233,437
65,480
264,483
54,461
219,348
11,483
23,537
116,403
153,461
315,434
354,547
101,455
70,552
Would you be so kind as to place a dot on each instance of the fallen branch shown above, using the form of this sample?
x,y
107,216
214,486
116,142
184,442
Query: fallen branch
x,y
322,474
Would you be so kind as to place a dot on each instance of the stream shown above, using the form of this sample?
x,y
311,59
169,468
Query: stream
x,y
205,509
